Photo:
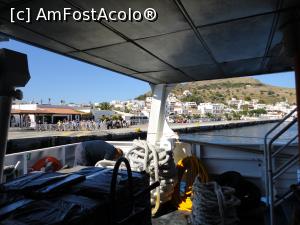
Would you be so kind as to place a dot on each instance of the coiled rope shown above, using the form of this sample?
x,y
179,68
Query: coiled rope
x,y
213,204
187,170
159,163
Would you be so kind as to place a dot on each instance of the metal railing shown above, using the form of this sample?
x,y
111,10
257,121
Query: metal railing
x,y
247,159
64,153
272,173
236,147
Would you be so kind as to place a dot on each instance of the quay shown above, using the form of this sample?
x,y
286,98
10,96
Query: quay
x,y
25,140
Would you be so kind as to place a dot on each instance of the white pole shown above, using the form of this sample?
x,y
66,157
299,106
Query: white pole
x,y
157,113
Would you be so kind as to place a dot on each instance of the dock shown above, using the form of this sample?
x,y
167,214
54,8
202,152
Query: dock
x,y
24,140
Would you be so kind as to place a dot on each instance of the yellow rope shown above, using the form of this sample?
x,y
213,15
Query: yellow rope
x,y
188,168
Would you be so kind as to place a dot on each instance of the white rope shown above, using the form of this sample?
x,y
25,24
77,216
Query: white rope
x,y
213,204
159,163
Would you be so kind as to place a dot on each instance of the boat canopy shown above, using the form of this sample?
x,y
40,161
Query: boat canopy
x,y
190,40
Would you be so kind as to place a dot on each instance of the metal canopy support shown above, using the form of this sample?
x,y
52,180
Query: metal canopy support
x,y
5,108
13,73
291,37
157,113
291,40
297,79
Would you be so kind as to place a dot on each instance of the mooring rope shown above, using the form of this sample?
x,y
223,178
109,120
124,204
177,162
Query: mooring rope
x,y
159,163
213,204
187,170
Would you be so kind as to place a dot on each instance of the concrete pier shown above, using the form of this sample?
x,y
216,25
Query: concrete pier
x,y
20,140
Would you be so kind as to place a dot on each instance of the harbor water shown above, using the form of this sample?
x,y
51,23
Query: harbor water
x,y
242,135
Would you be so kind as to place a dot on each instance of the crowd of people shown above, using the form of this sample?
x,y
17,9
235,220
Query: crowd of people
x,y
82,125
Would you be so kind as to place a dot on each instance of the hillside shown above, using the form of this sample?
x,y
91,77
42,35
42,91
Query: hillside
x,y
224,89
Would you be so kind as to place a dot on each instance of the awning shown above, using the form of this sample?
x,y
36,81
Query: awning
x,y
53,111
191,39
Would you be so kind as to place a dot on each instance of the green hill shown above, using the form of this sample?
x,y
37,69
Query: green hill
x,y
224,89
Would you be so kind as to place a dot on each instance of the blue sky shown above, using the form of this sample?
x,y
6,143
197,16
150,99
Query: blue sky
x,y
61,78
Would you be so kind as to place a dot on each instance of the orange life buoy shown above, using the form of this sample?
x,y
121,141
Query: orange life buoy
x,y
50,161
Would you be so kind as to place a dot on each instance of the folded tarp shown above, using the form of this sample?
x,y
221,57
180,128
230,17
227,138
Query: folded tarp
x,y
80,197
68,209
39,184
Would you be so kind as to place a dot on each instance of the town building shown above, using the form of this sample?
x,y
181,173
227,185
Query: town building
x,y
29,115
187,93
212,108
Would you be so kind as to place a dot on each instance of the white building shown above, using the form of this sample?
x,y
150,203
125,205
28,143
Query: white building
x,y
283,107
98,113
239,104
134,119
191,105
148,99
118,104
187,93
136,105
259,106
213,108
171,104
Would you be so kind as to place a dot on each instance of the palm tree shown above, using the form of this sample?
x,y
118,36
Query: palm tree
x,y
105,106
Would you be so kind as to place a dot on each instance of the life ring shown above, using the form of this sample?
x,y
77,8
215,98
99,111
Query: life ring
x,y
49,162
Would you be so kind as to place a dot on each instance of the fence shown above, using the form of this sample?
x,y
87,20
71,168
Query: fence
x,y
80,126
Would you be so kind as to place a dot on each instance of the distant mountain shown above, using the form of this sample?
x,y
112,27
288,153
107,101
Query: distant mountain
x,y
223,90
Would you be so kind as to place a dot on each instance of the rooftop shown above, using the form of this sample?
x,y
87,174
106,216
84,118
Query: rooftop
x,y
60,111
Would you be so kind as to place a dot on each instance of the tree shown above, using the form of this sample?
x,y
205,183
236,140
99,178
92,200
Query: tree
x,y
188,117
209,115
244,112
115,117
257,112
245,107
271,92
236,115
143,96
228,116
192,98
196,116
105,106
126,110
247,98
103,118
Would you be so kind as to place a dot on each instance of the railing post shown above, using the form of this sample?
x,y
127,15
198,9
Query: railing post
x,y
297,79
193,149
199,151
270,184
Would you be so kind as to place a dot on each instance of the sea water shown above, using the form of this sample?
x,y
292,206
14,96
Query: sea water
x,y
242,135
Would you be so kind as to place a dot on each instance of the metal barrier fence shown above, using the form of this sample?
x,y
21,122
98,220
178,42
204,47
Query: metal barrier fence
x,y
80,126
